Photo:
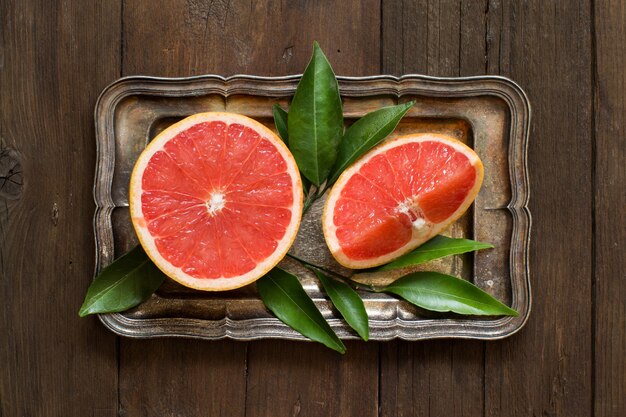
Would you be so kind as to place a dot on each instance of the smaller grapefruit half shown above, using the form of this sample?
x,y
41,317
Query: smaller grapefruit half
x,y
398,196
216,200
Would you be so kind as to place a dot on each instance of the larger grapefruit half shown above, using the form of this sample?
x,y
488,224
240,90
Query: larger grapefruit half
x,y
216,200
398,196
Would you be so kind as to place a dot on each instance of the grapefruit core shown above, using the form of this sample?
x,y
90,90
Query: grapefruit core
x,y
398,196
216,200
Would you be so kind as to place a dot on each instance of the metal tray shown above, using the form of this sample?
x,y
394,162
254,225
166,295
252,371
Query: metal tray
x,y
490,114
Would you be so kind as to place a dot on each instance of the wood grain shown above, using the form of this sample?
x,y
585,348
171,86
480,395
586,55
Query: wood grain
x,y
182,377
610,202
307,379
435,378
442,38
53,362
187,37
546,369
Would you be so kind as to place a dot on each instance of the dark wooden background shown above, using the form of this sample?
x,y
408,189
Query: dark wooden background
x,y
569,360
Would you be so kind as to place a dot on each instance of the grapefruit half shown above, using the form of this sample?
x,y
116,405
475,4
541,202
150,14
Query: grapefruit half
x,y
216,200
398,196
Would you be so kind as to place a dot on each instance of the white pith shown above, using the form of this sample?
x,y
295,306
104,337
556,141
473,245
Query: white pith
x,y
419,224
422,229
411,208
216,202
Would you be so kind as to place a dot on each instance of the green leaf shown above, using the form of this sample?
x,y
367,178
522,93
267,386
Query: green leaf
x,y
436,248
315,120
348,303
280,120
440,292
125,283
366,133
283,294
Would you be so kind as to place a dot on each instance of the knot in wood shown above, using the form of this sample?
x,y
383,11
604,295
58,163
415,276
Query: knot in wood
x,y
11,178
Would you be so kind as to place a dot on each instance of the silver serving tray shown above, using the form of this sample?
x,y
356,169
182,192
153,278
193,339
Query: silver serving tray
x,y
491,114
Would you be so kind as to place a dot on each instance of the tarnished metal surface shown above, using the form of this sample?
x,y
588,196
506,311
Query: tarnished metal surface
x,y
490,114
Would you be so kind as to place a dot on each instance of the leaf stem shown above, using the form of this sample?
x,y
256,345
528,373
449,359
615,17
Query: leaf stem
x,y
312,265
308,202
312,196
348,280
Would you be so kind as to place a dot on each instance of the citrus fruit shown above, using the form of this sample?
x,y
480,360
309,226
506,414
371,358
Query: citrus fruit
x,y
398,196
216,200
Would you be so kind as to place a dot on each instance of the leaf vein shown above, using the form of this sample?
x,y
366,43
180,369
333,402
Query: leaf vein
x,y
443,293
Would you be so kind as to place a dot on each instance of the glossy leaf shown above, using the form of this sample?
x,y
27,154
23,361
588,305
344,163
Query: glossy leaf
x,y
366,133
439,292
436,248
284,296
315,121
349,304
125,283
280,121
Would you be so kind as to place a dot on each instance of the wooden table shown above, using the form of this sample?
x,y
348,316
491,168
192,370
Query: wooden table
x,y
569,360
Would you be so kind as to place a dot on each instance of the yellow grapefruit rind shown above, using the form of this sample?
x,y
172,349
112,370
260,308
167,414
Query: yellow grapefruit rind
x,y
146,239
330,229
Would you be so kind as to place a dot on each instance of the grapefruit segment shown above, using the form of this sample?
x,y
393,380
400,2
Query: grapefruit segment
x,y
216,200
398,196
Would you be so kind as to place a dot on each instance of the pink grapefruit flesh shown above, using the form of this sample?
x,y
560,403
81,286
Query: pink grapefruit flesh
x,y
216,200
398,196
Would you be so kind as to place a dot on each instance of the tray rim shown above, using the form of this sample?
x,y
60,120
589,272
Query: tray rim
x,y
505,88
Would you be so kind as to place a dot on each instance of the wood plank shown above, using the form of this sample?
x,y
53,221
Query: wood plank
x,y
182,377
54,61
266,38
183,37
434,378
445,39
436,38
545,370
610,201
307,379
405,36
